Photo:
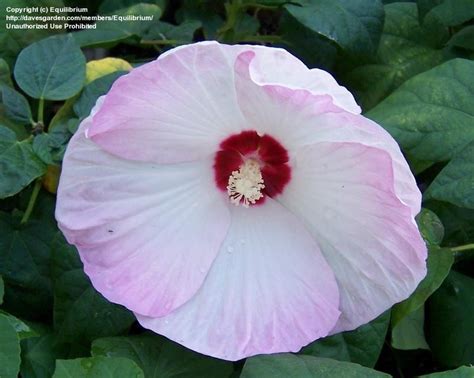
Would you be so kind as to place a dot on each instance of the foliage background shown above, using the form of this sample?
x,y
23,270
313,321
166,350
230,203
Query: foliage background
x,y
410,65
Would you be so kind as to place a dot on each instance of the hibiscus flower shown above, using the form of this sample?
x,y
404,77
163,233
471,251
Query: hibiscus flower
x,y
238,203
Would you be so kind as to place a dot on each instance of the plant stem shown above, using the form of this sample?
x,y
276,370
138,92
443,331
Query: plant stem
x,y
465,247
41,110
32,201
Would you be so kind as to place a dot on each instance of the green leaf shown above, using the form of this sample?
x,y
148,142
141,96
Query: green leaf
x,y
205,12
19,165
9,349
431,114
454,184
439,264
16,105
93,91
13,40
161,358
362,346
430,227
290,365
406,49
110,6
38,356
81,314
97,367
5,74
110,32
458,222
25,265
461,372
2,290
58,71
354,25
451,12
172,34
464,38
408,333
450,322
23,330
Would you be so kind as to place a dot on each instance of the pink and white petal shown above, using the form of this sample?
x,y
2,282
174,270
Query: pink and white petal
x,y
274,66
298,118
174,109
344,193
147,234
269,290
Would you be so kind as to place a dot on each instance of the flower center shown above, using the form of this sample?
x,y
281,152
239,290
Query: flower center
x,y
246,184
250,167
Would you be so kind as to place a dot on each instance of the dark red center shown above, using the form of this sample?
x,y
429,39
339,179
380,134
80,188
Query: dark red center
x,y
267,151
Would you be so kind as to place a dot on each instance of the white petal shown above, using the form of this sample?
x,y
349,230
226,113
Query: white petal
x,y
147,234
344,193
268,291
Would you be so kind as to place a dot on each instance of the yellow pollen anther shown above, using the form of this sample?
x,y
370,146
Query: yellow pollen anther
x,y
246,184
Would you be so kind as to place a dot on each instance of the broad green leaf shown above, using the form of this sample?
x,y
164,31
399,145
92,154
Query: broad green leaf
x,y
406,49
2,290
109,32
9,349
458,222
206,12
362,346
354,25
110,6
25,265
267,2
454,184
431,114
289,365
450,325
5,74
161,358
172,34
13,40
408,333
81,314
58,71
461,372
38,356
95,367
19,166
430,227
451,12
50,147
23,330
15,105
95,69
464,38
312,48
93,91
439,264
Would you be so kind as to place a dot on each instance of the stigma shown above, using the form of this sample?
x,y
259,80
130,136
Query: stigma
x,y
245,185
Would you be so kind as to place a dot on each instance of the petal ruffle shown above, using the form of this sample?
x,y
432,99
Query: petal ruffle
x,y
147,234
297,117
274,66
344,193
269,290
